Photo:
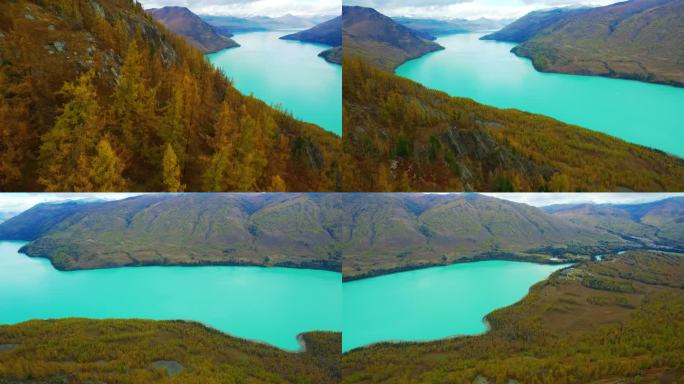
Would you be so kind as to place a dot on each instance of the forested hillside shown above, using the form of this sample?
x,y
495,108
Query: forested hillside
x,y
401,136
96,95
616,321
147,351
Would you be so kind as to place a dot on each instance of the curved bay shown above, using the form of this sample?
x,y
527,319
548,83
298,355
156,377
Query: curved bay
x,y
433,303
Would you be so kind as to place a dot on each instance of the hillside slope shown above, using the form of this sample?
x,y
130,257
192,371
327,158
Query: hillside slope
x,y
401,136
636,39
136,351
97,95
329,33
40,219
182,21
533,23
378,39
393,232
660,222
290,230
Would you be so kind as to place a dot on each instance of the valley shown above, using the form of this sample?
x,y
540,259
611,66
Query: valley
x,y
286,74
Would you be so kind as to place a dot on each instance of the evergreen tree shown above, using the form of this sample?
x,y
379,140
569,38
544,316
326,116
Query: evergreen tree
x,y
66,148
107,169
277,184
171,171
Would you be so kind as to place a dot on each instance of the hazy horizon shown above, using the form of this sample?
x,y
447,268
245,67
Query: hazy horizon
x,y
468,9
253,8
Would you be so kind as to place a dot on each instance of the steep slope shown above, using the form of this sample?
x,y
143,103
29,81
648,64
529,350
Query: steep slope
x,y
329,33
401,136
182,21
391,232
97,95
370,35
134,351
533,23
636,39
189,229
585,324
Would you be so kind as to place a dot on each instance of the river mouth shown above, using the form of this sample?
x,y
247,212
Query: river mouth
x,y
433,303
286,73
268,305
489,73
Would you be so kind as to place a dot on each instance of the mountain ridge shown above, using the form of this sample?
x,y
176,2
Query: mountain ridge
x,y
361,234
182,21
368,34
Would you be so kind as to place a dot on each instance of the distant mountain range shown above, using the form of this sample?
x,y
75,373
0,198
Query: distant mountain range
x,y
636,39
231,24
198,33
364,234
430,28
329,32
379,40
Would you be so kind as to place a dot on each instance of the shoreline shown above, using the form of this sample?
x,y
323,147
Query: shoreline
x,y
485,321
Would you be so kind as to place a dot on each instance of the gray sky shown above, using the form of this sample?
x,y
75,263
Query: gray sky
x,y
242,8
467,9
543,199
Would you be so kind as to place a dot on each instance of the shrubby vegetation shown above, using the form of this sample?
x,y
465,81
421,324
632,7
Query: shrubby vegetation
x,y
401,136
95,95
561,332
124,351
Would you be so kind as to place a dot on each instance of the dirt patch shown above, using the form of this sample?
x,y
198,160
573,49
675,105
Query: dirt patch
x,y
172,367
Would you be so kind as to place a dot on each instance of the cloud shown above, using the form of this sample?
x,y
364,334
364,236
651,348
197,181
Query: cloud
x,y
544,199
19,202
244,8
467,9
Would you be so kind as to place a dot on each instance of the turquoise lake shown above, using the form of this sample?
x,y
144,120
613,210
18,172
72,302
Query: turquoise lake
x,y
489,73
433,303
271,305
287,73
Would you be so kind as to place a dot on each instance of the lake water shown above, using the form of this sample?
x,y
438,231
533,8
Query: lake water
x,y
288,73
489,73
433,303
272,305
